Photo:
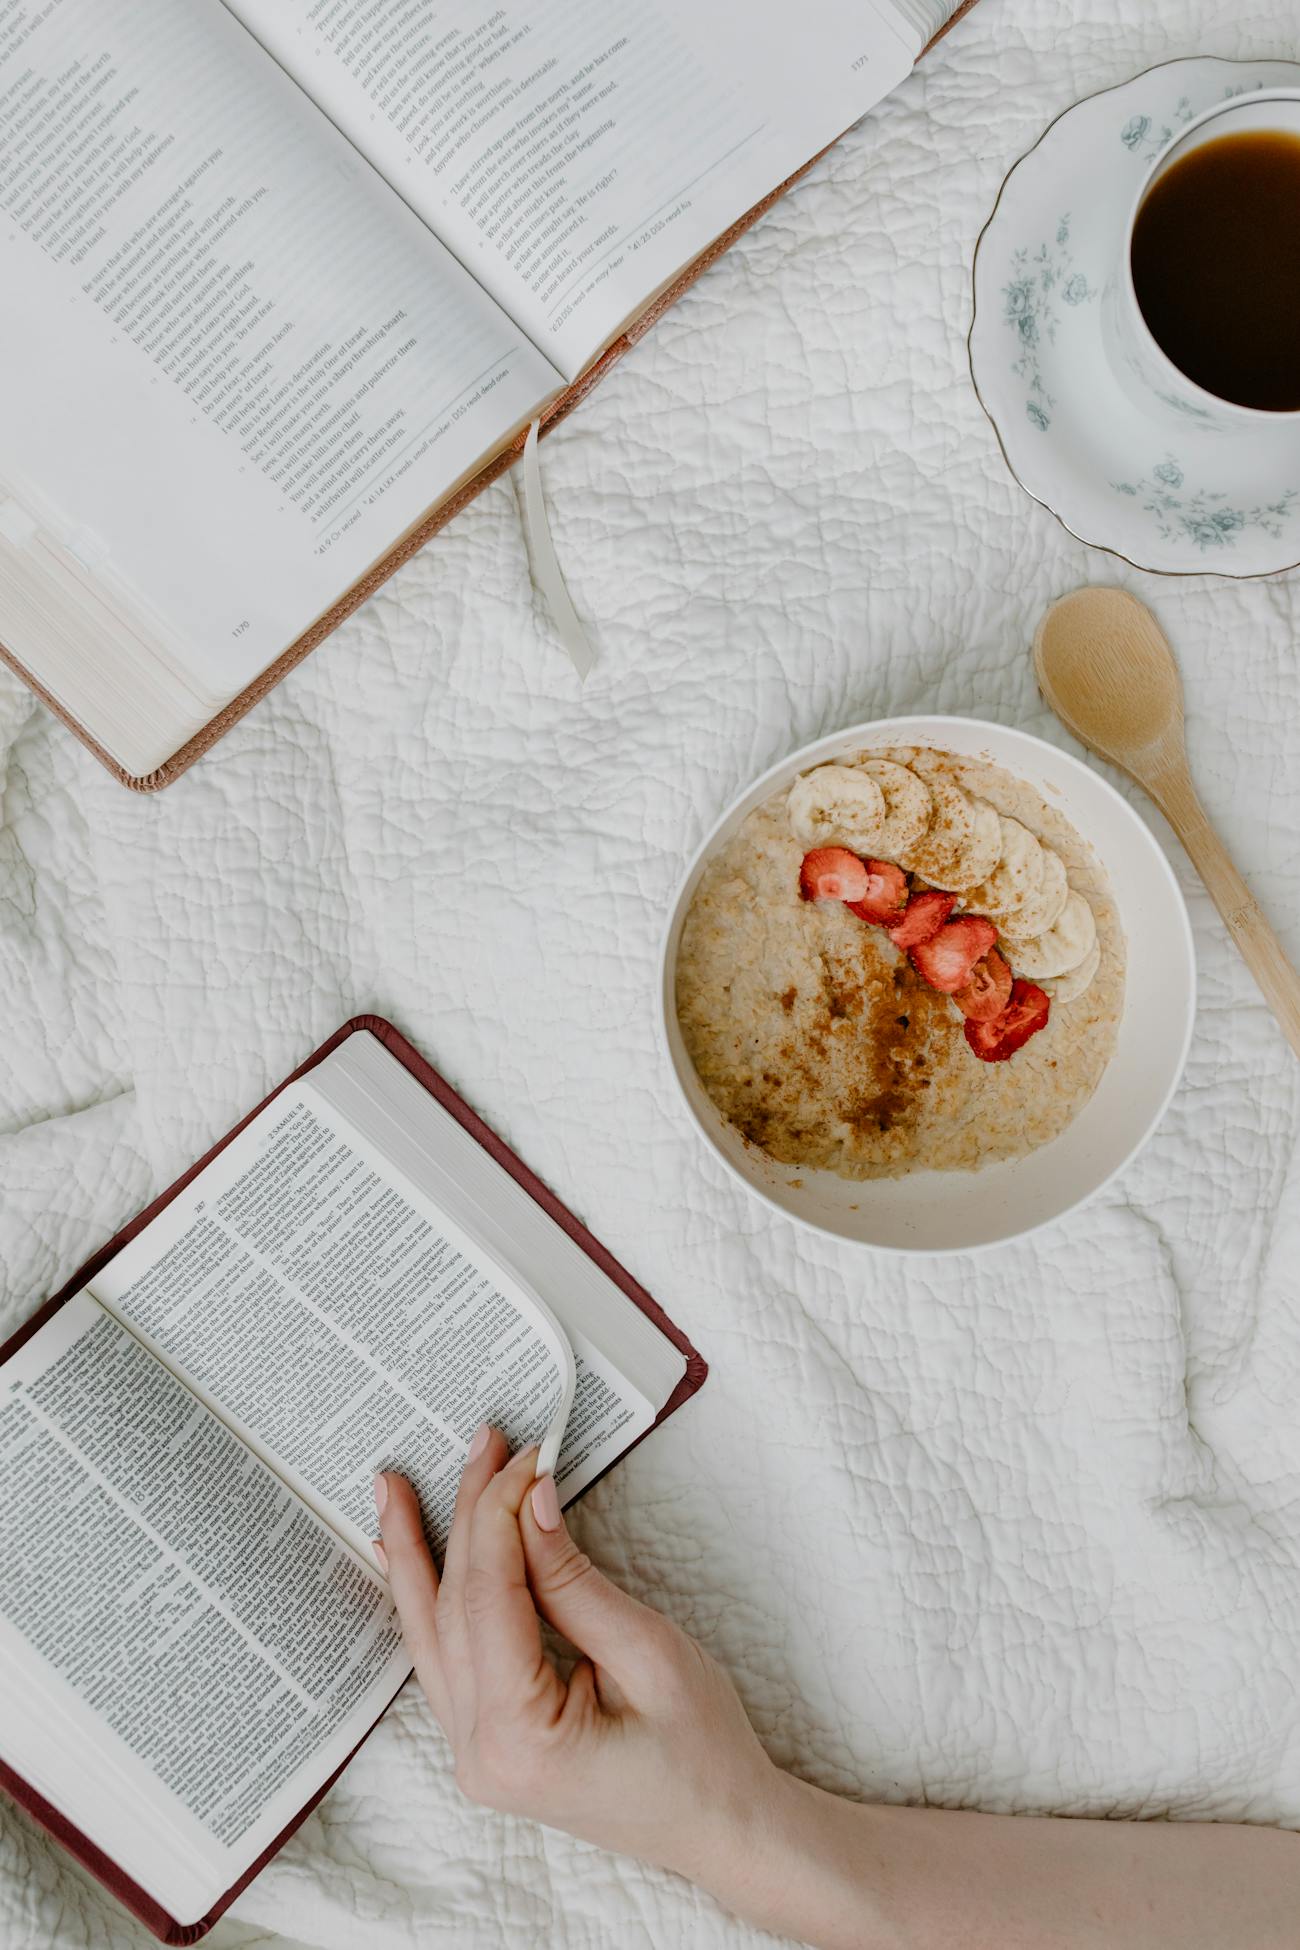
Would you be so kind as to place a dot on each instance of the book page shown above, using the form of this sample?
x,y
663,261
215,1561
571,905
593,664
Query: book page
x,y
338,1325
627,1368
576,156
198,1652
234,366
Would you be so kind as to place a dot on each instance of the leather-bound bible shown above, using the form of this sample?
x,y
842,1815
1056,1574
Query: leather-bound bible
x,y
286,283
195,1631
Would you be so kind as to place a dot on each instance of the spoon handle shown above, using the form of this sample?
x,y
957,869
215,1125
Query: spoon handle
x,y
1260,948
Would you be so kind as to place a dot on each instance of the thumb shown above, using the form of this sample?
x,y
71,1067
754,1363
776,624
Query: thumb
x,y
573,1596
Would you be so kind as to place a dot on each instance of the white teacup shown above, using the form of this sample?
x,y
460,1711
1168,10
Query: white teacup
x,y
1146,371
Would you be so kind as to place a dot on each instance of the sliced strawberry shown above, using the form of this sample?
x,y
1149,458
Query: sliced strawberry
x,y
832,873
1023,1017
945,961
925,915
886,894
988,991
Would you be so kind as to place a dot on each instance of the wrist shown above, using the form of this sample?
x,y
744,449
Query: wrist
x,y
729,1829
797,1861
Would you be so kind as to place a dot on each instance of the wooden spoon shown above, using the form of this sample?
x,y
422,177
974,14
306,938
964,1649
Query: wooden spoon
x,y
1106,668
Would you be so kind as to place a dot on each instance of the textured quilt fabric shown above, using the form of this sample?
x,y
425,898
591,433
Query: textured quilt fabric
x,y
1019,1532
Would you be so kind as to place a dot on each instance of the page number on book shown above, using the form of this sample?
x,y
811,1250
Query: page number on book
x,y
239,628
863,61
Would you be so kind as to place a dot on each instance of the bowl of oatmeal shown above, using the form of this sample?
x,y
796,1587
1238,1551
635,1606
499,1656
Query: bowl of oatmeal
x,y
928,984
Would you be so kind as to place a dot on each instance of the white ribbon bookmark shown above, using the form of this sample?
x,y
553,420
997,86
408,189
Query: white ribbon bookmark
x,y
548,577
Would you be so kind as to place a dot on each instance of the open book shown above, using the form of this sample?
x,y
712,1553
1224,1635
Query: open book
x,y
284,280
195,1633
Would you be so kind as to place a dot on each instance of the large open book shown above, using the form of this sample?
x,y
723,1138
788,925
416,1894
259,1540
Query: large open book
x,y
285,281
195,1633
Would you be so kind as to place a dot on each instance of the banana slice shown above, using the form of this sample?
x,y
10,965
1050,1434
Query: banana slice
x,y
1041,914
952,827
837,805
1062,948
1016,878
1068,988
907,805
982,852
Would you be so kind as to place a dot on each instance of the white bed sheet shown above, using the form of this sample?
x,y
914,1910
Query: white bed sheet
x,y
1022,1533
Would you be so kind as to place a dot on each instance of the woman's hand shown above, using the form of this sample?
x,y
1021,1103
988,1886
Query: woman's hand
x,y
645,1748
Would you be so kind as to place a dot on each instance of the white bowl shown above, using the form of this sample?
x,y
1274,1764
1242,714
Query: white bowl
x,y
957,1211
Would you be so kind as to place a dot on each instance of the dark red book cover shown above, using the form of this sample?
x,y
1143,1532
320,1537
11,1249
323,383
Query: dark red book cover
x,y
128,1892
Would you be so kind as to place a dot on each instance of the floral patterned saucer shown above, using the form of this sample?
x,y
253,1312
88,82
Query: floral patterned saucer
x,y
1175,498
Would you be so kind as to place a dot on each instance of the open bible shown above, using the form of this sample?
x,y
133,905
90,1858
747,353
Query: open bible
x,y
286,280
195,1633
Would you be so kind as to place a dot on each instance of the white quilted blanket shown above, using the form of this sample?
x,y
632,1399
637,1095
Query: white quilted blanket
x,y
1020,1533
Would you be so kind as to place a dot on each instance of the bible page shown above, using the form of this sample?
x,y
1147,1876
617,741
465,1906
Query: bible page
x,y
575,156
626,1367
339,1322
186,1653
234,367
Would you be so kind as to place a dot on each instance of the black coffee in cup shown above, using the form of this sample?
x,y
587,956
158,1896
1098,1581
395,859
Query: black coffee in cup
x,y
1216,267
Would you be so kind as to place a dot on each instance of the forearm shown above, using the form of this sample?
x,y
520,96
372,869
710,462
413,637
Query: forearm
x,y
843,1876
645,1748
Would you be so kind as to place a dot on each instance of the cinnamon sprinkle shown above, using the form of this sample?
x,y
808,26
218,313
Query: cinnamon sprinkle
x,y
872,1027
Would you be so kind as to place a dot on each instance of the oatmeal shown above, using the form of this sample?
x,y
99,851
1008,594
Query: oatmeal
x,y
979,1039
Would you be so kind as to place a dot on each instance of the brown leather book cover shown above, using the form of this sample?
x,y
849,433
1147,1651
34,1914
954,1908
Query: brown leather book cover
x,y
128,1892
437,518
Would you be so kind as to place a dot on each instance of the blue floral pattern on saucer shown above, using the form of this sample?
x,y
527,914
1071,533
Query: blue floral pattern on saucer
x,y
1202,518
1144,137
1038,279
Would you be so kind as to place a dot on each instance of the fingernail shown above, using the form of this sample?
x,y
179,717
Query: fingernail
x,y
480,1442
546,1504
381,1554
381,1492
